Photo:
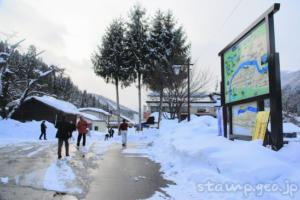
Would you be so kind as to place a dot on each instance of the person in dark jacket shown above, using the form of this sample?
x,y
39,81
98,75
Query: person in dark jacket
x,y
63,135
43,130
72,128
123,130
111,132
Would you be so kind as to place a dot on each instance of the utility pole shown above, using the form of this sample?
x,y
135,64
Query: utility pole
x,y
189,92
177,69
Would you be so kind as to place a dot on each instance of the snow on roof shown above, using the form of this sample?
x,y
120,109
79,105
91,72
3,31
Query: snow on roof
x,y
290,128
116,123
89,116
57,104
195,95
95,110
126,118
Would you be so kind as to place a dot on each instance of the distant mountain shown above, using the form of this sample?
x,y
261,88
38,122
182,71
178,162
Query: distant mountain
x,y
109,104
290,79
290,86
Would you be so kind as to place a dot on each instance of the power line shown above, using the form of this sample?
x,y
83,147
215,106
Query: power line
x,y
222,25
230,14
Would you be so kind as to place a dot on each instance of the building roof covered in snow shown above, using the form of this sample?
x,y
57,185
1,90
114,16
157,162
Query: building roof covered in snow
x,y
114,118
89,116
45,108
95,110
58,104
127,119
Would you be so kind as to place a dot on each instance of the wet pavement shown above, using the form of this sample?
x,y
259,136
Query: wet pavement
x,y
12,192
126,177
110,176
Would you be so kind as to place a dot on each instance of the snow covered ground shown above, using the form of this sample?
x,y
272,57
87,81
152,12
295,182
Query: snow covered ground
x,y
51,174
12,131
207,166
202,164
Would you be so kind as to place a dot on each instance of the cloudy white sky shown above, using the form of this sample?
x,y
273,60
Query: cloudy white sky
x,y
69,31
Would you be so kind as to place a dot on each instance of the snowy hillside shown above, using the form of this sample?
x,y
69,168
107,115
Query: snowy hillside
x,y
113,105
290,79
290,85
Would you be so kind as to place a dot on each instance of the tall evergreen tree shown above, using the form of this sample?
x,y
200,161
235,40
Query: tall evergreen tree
x,y
110,60
168,47
179,54
156,72
137,48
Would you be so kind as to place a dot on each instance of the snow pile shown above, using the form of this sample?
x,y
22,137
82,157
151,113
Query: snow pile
x,y
60,177
4,180
12,131
164,115
192,155
289,127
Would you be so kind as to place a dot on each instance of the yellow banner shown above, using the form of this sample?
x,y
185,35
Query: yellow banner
x,y
261,125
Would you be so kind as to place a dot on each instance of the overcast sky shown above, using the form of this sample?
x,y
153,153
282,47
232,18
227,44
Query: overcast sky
x,y
70,30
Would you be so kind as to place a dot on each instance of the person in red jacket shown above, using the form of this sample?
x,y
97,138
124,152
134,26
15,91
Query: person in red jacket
x,y
82,127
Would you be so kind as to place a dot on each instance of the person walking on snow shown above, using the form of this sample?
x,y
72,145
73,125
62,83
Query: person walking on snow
x,y
123,130
63,135
111,132
72,127
82,127
43,130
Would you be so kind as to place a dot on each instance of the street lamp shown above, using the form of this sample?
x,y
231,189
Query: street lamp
x,y
177,69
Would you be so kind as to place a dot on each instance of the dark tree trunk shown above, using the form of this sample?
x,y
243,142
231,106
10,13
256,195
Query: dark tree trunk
x,y
118,101
160,106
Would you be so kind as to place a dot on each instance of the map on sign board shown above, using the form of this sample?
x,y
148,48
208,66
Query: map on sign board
x,y
246,67
243,118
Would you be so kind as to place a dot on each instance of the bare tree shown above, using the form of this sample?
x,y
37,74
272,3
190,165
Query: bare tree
x,y
32,73
7,59
29,91
176,93
290,99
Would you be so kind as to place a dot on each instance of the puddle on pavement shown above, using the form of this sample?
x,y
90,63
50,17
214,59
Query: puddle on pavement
x,y
126,177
